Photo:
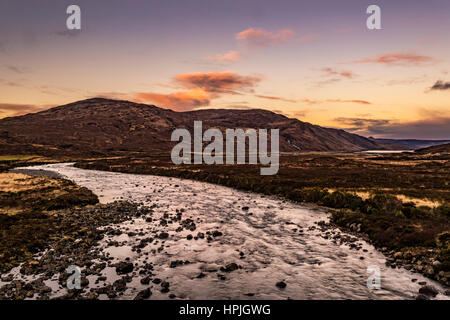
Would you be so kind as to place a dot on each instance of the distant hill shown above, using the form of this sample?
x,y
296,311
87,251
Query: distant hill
x,y
104,127
410,143
443,148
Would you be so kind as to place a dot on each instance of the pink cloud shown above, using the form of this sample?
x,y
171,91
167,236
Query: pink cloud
x,y
230,56
274,98
261,37
334,72
405,59
349,101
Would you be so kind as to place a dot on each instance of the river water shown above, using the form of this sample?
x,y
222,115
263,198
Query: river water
x,y
279,241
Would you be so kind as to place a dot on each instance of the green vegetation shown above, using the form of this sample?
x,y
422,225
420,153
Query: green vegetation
x,y
11,161
18,157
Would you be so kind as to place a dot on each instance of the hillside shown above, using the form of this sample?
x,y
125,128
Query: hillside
x,y
443,148
410,143
105,127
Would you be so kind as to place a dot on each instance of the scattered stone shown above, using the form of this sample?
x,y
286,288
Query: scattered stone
x,y
163,235
165,287
281,284
176,263
146,280
124,267
216,233
144,294
229,267
429,291
201,235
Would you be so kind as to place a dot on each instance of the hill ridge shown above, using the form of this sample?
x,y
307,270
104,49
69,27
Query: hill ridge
x,y
107,126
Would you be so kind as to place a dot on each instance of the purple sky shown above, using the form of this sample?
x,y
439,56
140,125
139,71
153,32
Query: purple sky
x,y
313,60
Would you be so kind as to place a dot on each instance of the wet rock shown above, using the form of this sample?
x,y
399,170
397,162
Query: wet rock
x,y
229,267
216,233
221,277
124,267
163,235
188,224
176,263
428,291
144,294
165,287
201,235
120,285
146,280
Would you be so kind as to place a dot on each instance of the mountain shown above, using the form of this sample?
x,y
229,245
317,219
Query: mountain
x,y
107,127
410,143
443,148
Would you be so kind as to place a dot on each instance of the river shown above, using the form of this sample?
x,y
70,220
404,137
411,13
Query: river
x,y
272,241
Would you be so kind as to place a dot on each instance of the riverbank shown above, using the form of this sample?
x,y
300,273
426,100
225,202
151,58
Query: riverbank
x,y
32,213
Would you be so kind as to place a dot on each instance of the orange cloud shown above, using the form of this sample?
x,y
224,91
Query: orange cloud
x,y
308,101
201,88
398,59
349,101
261,37
178,101
218,82
231,56
344,74
12,110
274,98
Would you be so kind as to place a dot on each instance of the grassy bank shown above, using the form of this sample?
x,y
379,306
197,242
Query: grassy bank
x,y
32,214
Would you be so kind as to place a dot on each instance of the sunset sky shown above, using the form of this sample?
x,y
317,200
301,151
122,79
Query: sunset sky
x,y
312,60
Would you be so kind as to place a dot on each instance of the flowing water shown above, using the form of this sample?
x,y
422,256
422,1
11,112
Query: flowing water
x,y
272,241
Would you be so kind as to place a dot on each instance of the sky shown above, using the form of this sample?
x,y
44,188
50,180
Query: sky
x,y
312,60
